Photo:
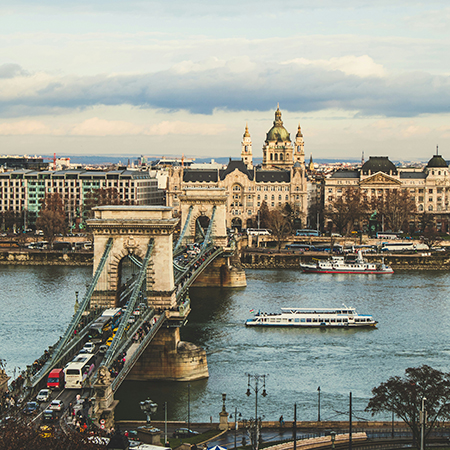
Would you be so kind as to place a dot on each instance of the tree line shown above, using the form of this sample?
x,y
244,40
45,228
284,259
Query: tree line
x,y
52,217
396,209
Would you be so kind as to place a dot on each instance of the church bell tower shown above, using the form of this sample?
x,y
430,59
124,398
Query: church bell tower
x,y
246,152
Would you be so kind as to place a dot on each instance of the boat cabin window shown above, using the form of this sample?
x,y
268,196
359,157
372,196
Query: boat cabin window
x,y
308,320
296,320
304,320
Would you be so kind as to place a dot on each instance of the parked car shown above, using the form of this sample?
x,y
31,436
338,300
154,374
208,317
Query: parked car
x,y
56,405
31,408
43,396
184,432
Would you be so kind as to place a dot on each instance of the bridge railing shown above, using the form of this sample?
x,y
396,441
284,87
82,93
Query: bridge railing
x,y
130,362
196,272
131,306
186,225
60,349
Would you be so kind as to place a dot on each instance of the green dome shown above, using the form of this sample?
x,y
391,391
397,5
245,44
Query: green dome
x,y
278,132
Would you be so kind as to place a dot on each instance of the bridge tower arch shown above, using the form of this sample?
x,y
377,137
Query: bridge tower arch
x,y
131,229
204,202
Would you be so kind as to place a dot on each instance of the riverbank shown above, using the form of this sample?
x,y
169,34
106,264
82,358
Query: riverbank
x,y
269,259
28,257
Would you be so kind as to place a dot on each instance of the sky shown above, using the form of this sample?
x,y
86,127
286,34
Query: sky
x,y
164,78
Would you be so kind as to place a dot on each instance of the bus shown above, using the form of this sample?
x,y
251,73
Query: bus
x,y
298,247
388,235
79,370
307,232
101,329
403,247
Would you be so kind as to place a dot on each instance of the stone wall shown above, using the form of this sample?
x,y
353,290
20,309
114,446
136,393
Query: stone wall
x,y
222,273
169,358
45,257
273,260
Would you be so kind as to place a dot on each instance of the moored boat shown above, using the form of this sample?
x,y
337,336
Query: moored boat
x,y
313,317
347,264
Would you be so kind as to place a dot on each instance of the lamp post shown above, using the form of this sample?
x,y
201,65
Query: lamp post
x,y
318,405
189,406
236,421
422,424
165,423
256,388
149,407
333,438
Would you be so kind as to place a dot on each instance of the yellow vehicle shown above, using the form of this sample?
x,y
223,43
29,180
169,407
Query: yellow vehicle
x,y
45,431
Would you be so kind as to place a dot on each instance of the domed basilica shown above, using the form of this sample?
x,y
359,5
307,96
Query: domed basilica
x,y
280,179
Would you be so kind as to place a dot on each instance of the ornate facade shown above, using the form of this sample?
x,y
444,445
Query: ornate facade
x,y
428,187
280,179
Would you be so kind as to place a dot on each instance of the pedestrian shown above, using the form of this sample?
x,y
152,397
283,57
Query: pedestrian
x,y
281,420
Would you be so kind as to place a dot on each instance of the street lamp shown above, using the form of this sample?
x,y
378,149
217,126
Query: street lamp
x,y
256,388
333,438
318,405
236,420
149,407
189,406
422,425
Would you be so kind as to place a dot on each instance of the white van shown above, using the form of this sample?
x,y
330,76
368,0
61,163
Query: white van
x,y
258,232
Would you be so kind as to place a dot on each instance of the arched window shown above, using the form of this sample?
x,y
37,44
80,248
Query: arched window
x,y
271,157
430,208
276,156
281,156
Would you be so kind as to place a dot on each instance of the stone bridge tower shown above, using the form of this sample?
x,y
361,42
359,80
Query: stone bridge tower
x,y
132,228
202,201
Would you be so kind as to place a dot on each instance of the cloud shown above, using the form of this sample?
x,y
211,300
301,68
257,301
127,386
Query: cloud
x,y
362,66
350,84
101,127
11,71
24,127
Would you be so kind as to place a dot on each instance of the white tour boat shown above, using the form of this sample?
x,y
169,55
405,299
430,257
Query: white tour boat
x,y
312,317
346,264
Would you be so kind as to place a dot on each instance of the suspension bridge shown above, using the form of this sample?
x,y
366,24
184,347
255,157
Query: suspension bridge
x,y
141,238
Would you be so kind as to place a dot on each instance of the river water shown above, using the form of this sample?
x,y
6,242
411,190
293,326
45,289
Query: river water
x,y
412,308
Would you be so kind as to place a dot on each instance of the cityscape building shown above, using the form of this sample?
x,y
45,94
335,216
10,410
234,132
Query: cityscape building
x,y
280,179
22,190
429,186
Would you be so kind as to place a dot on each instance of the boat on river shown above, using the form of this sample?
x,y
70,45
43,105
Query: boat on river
x,y
346,264
343,317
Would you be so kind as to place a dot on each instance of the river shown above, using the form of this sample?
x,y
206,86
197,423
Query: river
x,y
37,304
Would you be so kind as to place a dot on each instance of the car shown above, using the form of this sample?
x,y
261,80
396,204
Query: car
x,y
89,347
56,405
31,408
43,396
184,432
103,349
109,341
49,415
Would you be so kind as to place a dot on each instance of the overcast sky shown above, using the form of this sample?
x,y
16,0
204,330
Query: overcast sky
x,y
176,77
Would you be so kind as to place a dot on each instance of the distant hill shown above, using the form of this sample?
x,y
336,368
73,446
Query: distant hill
x,y
114,159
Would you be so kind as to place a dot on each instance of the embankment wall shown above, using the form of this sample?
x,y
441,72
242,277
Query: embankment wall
x,y
416,261
45,257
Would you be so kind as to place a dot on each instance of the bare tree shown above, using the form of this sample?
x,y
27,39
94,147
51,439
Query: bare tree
x,y
347,210
51,218
404,397
280,225
397,207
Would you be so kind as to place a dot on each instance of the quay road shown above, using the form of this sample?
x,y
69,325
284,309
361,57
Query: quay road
x,y
380,432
